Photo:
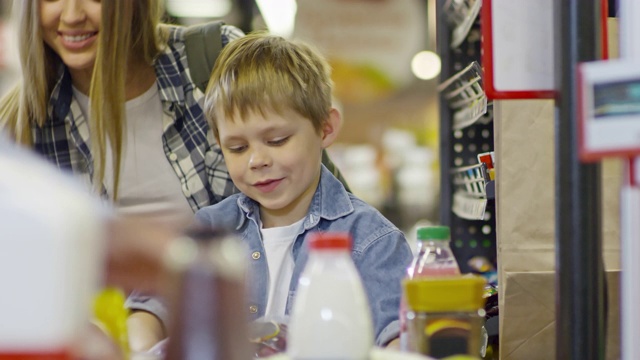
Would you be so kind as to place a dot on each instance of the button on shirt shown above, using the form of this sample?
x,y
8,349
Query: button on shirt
x,y
380,250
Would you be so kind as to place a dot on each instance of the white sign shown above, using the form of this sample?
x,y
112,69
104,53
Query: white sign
x,y
609,105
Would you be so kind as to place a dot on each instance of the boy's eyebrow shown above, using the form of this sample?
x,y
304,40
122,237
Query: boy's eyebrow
x,y
230,138
264,131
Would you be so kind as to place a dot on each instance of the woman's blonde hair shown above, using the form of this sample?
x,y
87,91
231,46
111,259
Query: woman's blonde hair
x,y
262,72
128,28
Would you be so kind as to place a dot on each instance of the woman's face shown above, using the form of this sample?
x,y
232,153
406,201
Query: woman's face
x,y
70,28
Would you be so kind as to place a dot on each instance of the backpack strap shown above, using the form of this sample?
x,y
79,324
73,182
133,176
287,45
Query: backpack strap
x,y
326,161
203,43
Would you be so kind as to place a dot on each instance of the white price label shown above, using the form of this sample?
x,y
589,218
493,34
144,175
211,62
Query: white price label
x,y
468,207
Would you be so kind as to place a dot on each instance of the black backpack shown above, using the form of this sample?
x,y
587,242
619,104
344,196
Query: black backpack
x,y
203,43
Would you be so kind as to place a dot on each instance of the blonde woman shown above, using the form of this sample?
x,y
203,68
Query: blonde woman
x,y
106,94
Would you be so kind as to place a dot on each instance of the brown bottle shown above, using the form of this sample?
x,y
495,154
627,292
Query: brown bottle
x,y
208,297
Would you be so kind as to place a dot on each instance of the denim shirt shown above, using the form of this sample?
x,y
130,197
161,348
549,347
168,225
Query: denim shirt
x,y
380,250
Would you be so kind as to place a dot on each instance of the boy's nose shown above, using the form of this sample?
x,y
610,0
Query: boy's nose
x,y
259,159
72,11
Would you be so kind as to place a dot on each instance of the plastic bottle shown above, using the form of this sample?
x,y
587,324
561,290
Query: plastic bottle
x,y
434,258
445,315
331,317
207,307
51,253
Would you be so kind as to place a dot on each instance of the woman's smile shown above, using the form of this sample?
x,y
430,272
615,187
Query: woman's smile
x,y
77,41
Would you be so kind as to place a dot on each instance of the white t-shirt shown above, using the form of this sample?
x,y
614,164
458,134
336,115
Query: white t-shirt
x,y
148,184
278,246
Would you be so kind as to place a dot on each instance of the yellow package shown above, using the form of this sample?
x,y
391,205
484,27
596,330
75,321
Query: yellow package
x,y
110,313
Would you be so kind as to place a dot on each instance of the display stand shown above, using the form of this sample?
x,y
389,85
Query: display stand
x,y
466,130
467,203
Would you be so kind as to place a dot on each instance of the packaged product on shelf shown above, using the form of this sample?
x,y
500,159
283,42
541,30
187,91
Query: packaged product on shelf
x,y
483,266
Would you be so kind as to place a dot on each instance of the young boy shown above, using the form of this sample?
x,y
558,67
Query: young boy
x,y
269,103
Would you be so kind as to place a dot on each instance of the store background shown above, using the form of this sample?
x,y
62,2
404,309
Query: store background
x,y
388,146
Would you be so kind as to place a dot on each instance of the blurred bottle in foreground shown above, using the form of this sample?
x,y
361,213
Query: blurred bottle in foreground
x,y
445,315
434,259
51,249
208,321
331,318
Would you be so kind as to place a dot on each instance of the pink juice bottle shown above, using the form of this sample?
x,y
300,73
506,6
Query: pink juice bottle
x,y
434,259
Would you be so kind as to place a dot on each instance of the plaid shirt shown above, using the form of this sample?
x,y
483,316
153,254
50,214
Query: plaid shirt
x,y
188,142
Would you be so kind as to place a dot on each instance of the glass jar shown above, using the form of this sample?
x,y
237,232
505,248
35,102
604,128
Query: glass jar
x,y
445,315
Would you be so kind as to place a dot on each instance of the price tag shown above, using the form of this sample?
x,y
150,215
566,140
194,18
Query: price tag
x,y
467,207
609,109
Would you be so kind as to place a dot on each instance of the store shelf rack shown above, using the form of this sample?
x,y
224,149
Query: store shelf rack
x,y
466,129
473,189
467,196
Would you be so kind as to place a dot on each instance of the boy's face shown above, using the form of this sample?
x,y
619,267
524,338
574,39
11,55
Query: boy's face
x,y
275,160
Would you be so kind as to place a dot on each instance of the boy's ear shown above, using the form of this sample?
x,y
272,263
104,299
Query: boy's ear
x,y
331,127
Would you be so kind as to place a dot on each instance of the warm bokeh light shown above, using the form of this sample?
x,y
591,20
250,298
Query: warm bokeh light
x,y
279,15
198,8
426,65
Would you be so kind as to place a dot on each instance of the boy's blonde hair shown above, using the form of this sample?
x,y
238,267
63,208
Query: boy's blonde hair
x,y
261,72
128,28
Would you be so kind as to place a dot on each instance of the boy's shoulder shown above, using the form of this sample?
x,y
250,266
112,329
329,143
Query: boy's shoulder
x,y
341,206
365,223
368,226
368,217
223,213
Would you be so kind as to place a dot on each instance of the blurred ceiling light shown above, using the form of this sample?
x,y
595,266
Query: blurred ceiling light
x,y
198,8
426,65
279,15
